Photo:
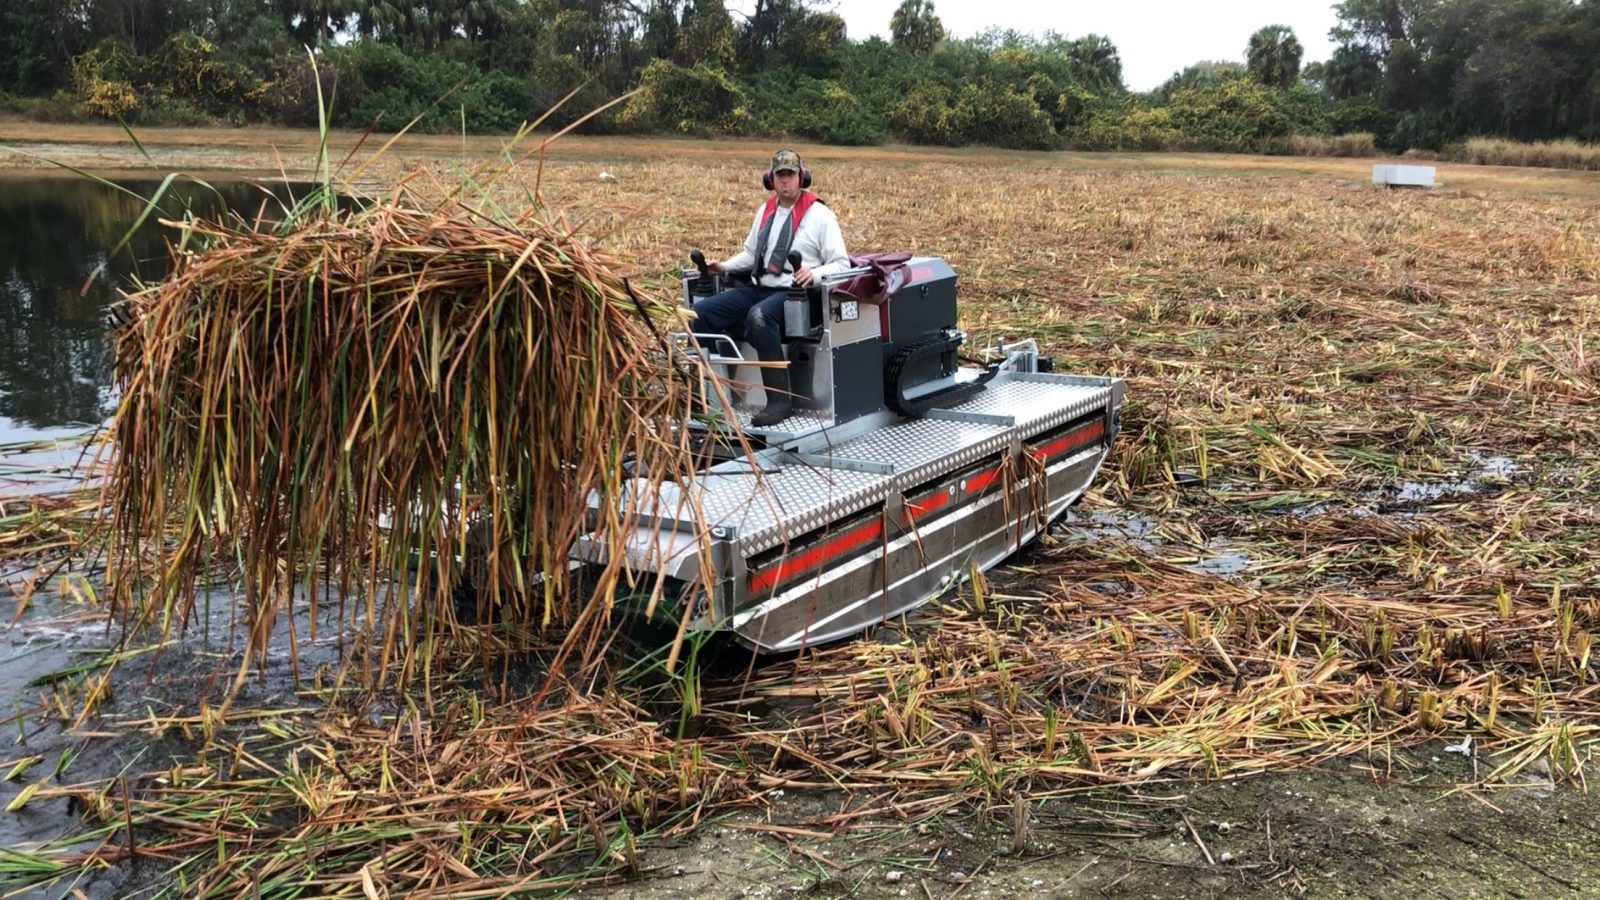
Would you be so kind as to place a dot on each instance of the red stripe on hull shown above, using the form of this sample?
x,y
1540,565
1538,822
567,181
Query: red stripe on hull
x,y
982,480
926,504
1072,440
822,553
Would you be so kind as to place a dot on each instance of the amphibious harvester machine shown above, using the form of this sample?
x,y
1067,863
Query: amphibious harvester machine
x,y
901,469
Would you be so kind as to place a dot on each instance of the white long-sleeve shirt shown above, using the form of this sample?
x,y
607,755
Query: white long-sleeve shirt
x,y
818,240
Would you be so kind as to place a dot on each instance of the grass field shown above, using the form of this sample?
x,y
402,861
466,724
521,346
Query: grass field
x,y
1352,516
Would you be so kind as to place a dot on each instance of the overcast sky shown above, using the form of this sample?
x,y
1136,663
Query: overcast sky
x,y
1154,37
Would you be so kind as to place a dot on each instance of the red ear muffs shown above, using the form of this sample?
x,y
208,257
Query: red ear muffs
x,y
805,178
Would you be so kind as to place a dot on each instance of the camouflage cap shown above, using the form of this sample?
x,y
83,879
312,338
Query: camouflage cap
x,y
785,161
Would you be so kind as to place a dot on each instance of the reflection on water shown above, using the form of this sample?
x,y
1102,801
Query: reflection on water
x,y
55,234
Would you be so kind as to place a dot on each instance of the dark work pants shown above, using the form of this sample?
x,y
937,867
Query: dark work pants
x,y
748,311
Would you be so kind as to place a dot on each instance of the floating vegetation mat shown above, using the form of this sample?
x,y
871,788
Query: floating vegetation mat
x,y
50,511
1353,511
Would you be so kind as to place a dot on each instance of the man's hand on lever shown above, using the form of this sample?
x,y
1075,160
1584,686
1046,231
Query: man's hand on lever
x,y
802,275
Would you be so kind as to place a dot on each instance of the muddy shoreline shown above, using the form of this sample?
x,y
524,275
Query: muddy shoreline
x,y
1393,822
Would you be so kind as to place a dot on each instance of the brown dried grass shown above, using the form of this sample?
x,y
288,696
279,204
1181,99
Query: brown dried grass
x,y
1308,346
1563,154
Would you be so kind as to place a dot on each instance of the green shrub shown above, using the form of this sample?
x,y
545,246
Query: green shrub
x,y
61,106
1001,115
102,81
992,113
187,81
1359,114
495,102
196,80
1128,128
385,83
1308,110
552,77
1237,115
847,119
183,82
1424,130
702,100
162,107
1233,114
988,112
1076,105
821,110
285,91
923,116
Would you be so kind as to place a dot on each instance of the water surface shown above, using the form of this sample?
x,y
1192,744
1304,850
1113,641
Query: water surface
x,y
58,278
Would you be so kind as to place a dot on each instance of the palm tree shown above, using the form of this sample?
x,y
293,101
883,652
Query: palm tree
x,y
314,21
378,18
915,27
1273,56
1096,63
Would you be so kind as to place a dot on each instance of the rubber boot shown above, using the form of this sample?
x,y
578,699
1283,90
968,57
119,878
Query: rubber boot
x,y
779,400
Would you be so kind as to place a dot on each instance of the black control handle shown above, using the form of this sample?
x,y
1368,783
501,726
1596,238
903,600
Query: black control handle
x,y
795,291
699,260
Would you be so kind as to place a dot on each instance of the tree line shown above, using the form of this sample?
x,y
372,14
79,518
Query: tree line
x,y
1405,73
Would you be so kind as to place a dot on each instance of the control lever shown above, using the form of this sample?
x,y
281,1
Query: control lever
x,y
705,284
795,290
799,319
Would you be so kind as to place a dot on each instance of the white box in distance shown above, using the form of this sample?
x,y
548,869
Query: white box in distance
x,y
1403,176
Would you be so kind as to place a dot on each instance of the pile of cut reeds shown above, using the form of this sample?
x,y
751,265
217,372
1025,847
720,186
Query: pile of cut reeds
x,y
358,393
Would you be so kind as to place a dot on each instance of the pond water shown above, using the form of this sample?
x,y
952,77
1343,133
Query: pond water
x,y
58,278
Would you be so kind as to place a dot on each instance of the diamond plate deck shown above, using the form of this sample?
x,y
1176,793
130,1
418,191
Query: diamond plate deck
x,y
777,506
771,508
919,443
1037,405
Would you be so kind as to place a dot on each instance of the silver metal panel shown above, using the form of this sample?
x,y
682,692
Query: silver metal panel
x,y
752,398
955,415
966,456
844,599
866,327
1117,386
918,450
874,466
769,509
1036,405
919,442
796,317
